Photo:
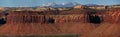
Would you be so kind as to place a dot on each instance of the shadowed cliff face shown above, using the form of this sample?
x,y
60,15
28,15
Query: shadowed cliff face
x,y
2,18
94,19
2,21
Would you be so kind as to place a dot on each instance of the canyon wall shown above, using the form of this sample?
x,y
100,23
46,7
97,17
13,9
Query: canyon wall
x,y
16,17
109,16
35,22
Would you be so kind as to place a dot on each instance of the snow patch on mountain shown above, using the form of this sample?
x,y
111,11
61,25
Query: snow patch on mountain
x,y
61,5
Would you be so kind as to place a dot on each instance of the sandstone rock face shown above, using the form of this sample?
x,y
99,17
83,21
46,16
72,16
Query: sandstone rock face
x,y
34,17
58,22
33,23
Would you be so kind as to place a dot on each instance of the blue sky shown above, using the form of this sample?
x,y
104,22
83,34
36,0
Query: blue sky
x,y
17,3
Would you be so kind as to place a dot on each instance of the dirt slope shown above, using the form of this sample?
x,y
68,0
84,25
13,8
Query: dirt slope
x,y
105,30
37,29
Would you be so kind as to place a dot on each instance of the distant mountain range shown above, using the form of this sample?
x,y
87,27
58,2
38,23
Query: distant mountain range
x,y
62,5
91,5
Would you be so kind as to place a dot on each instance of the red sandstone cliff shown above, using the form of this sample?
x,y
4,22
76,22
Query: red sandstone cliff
x,y
30,22
36,23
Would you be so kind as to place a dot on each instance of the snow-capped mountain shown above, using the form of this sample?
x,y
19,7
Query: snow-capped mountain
x,y
49,4
70,4
91,5
61,5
